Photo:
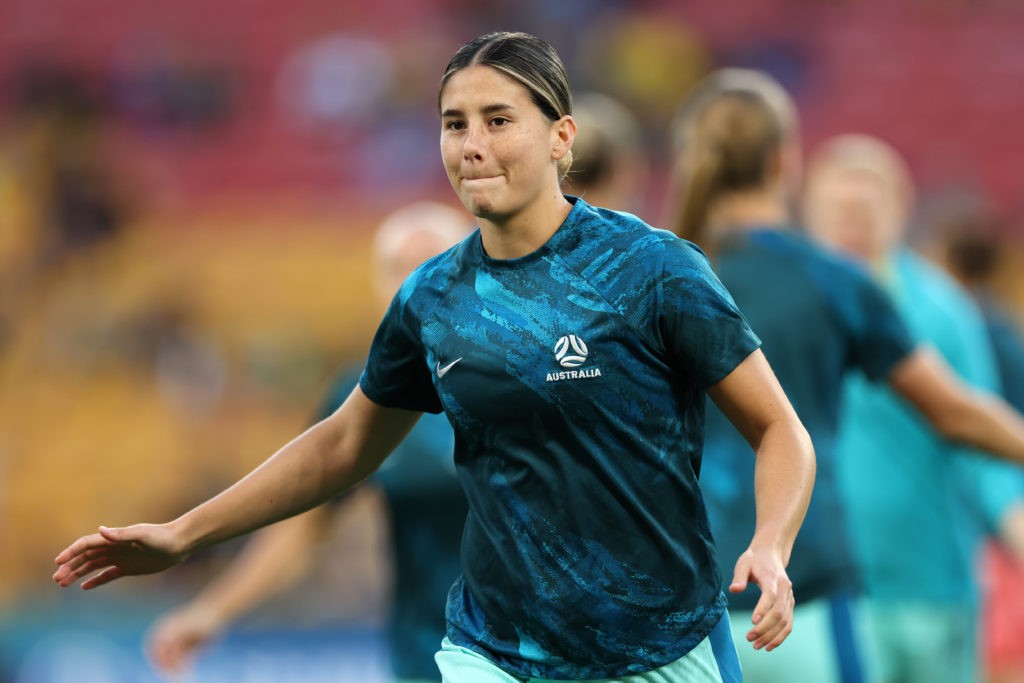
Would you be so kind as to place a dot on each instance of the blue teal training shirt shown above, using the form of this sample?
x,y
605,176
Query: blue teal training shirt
x,y
574,378
819,315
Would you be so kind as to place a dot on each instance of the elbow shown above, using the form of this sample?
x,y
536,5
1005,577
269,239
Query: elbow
x,y
809,455
804,460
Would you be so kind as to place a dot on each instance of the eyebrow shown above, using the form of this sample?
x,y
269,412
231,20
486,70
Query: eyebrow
x,y
489,109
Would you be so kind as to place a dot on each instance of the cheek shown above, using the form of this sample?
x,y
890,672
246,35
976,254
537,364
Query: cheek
x,y
449,153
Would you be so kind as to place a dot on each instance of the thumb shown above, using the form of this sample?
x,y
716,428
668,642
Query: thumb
x,y
116,533
740,577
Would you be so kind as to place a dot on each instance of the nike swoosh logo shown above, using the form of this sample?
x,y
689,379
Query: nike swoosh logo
x,y
441,372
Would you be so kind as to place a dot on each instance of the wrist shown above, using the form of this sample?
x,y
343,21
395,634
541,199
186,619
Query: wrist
x,y
185,538
771,544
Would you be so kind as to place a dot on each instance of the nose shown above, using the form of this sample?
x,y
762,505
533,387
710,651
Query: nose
x,y
473,143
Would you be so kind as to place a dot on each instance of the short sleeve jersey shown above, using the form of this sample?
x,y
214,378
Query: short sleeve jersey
x,y
820,316
574,378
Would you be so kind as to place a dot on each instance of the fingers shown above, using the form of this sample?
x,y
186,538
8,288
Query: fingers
x,y
81,565
105,576
172,652
82,545
86,555
82,570
175,640
773,617
164,652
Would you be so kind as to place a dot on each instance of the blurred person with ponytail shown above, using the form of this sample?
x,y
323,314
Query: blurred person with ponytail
x,y
571,347
820,317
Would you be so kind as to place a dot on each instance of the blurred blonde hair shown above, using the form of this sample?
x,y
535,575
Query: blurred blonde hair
x,y
862,153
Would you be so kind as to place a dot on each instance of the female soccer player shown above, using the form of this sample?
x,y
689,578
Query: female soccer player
x,y
571,348
819,317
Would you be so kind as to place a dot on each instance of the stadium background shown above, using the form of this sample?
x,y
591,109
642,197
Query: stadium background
x,y
187,192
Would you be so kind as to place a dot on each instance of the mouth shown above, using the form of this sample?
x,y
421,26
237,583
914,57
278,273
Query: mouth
x,y
478,179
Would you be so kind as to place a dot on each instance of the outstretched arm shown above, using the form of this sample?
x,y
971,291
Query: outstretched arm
x,y
751,397
273,560
956,411
328,458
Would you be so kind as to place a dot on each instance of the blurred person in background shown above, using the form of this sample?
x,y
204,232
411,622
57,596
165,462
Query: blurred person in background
x,y
586,552
820,317
610,167
422,497
910,492
961,232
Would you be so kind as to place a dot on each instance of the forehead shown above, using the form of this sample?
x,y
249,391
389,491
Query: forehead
x,y
856,182
480,86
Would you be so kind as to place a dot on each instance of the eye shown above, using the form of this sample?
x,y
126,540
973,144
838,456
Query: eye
x,y
499,121
454,125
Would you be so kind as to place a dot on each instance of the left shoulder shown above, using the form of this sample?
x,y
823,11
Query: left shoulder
x,y
636,240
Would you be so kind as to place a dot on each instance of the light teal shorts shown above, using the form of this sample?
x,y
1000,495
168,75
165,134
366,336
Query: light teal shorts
x,y
712,661
830,643
921,642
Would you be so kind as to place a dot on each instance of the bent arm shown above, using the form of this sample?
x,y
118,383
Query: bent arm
x,y
751,397
956,411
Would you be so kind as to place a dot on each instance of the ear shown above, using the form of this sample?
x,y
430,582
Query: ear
x,y
563,132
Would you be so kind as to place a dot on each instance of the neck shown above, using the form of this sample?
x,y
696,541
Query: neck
x,y
526,231
746,210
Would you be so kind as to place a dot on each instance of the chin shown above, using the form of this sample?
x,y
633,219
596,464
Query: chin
x,y
480,207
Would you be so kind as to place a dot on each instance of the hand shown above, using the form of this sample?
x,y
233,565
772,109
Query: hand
x,y
773,614
128,551
175,638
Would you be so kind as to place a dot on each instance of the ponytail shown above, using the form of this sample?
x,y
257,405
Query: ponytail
x,y
729,132
698,187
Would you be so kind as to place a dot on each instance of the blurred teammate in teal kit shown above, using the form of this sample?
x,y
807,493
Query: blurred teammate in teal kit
x,y
909,492
423,498
962,237
821,318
